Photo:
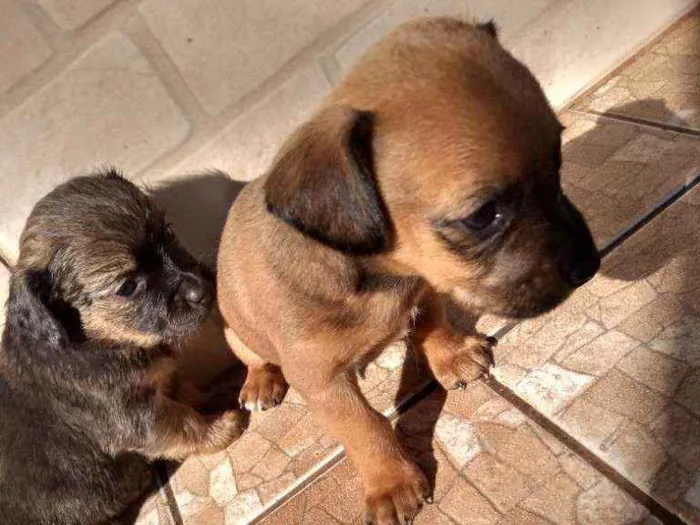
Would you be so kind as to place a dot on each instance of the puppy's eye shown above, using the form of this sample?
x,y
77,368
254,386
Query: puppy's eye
x,y
128,288
484,217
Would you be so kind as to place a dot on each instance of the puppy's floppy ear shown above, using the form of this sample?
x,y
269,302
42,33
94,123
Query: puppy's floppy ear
x,y
323,183
490,27
29,317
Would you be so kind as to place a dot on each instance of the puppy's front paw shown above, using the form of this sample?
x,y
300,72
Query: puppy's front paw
x,y
466,363
225,429
396,496
264,388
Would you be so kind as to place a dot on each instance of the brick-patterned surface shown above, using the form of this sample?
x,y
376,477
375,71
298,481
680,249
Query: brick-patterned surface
x,y
154,511
281,447
107,108
660,85
617,366
617,172
488,463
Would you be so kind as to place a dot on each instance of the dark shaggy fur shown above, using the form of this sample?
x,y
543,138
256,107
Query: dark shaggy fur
x,y
88,386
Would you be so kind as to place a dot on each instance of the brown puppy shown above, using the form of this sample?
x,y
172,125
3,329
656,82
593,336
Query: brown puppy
x,y
433,168
100,298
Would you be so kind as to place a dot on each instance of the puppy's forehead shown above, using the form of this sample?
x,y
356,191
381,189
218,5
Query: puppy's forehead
x,y
454,110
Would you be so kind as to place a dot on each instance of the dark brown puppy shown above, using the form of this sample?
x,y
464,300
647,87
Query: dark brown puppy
x,y
101,294
433,168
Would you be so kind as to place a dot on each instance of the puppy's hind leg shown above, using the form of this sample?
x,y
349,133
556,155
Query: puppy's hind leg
x,y
265,385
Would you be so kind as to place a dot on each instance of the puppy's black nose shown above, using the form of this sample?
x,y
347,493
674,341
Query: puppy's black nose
x,y
581,271
194,291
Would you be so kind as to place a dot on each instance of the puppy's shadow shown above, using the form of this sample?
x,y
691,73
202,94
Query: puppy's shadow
x,y
197,206
640,257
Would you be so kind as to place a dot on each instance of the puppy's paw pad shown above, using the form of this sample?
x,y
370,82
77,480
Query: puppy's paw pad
x,y
264,388
397,498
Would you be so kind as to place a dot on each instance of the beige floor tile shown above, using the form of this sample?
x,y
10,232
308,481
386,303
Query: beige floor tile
x,y
281,448
514,478
247,147
22,46
264,34
4,291
108,106
659,85
636,402
73,14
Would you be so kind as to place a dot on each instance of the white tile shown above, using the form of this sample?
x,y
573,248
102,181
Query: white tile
x,y
246,148
107,108
22,47
550,387
224,49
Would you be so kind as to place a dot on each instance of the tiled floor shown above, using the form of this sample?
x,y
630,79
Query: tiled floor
x,y
616,370
490,464
281,449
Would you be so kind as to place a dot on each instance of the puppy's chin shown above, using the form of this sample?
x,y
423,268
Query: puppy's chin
x,y
517,306
529,310
184,326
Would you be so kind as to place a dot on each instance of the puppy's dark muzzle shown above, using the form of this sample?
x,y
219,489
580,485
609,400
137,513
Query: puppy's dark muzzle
x,y
582,270
583,261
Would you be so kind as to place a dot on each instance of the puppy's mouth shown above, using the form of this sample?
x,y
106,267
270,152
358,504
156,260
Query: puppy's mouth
x,y
183,325
527,310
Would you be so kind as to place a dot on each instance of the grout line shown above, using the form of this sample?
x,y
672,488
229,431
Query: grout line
x,y
167,493
637,121
319,470
334,458
670,199
656,508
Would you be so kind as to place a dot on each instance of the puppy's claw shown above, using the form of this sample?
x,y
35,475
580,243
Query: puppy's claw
x,y
264,388
456,368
